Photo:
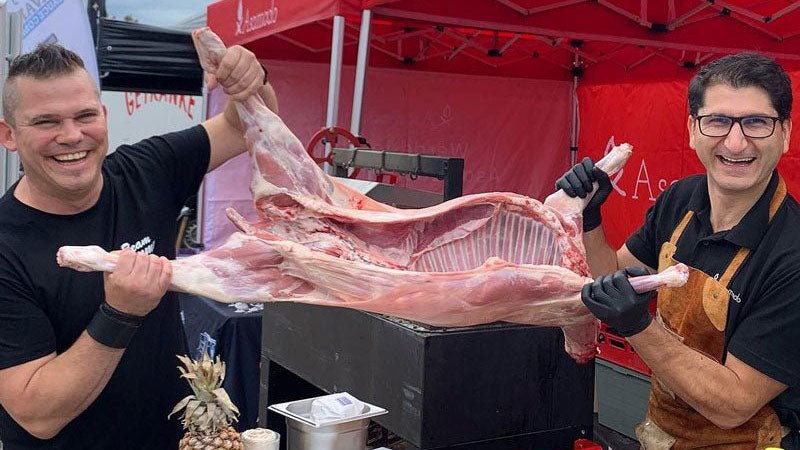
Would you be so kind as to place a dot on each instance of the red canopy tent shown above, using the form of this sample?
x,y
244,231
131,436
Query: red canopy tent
x,y
526,38
625,65
629,60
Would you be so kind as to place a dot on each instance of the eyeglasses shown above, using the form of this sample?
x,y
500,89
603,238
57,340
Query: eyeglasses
x,y
715,125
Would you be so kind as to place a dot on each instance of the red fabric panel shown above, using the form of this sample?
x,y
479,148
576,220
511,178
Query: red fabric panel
x,y
652,117
243,21
512,133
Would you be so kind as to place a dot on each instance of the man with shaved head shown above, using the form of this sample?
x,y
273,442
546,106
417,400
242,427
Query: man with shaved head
x,y
87,361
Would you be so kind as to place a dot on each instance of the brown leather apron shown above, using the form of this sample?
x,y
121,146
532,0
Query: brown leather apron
x,y
697,313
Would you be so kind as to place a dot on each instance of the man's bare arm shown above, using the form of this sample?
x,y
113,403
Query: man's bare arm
x,y
45,394
602,258
240,75
727,395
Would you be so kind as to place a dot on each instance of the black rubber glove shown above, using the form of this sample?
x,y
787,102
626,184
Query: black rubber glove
x,y
612,300
577,182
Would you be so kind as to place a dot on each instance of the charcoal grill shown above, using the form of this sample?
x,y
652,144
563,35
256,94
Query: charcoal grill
x,y
497,386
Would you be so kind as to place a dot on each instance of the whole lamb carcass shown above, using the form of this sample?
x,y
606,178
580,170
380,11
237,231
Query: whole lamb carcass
x,y
476,259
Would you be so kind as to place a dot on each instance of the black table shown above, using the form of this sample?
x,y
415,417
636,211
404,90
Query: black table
x,y
232,331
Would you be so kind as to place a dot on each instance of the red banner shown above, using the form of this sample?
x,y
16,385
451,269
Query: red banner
x,y
243,21
651,117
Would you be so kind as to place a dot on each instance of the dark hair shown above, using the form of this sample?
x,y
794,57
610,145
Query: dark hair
x,y
744,70
45,61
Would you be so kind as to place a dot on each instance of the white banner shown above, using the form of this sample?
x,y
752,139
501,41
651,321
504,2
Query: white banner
x,y
63,21
133,116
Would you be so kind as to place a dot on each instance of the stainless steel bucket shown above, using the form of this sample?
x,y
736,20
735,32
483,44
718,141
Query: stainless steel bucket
x,y
302,433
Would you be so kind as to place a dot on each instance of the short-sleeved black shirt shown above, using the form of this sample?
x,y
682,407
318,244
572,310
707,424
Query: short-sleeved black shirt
x,y
44,308
763,327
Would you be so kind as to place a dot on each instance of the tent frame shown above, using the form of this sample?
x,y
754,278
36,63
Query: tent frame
x,y
10,46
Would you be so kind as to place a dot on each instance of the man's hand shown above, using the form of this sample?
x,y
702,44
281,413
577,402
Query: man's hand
x,y
578,182
611,299
239,73
137,284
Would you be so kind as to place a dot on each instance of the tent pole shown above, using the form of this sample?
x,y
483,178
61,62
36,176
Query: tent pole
x,y
3,74
10,46
337,45
361,71
575,126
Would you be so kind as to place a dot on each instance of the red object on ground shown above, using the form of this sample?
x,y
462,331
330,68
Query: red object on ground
x,y
586,444
617,350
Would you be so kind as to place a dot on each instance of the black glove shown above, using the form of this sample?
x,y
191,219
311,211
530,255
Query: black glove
x,y
577,182
612,300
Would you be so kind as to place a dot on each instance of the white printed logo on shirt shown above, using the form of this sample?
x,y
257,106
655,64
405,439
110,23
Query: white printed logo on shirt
x,y
145,245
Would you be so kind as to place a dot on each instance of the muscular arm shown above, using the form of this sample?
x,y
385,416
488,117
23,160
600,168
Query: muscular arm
x,y
225,131
727,395
240,75
601,256
45,394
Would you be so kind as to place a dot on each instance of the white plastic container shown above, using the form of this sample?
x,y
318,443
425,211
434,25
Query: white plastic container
x,y
302,433
260,439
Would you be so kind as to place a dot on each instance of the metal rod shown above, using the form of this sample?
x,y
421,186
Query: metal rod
x,y
337,40
743,11
573,142
623,12
449,170
524,29
510,4
361,71
643,12
10,46
552,6
785,11
679,21
3,73
509,43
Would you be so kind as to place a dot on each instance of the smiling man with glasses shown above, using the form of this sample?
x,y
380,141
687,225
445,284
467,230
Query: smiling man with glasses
x,y
723,348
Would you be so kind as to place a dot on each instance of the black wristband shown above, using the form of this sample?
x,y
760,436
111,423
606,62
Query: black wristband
x,y
110,331
120,316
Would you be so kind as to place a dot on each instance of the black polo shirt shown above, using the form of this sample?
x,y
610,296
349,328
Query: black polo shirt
x,y
763,328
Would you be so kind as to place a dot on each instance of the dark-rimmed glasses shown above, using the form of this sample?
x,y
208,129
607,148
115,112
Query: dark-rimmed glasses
x,y
716,125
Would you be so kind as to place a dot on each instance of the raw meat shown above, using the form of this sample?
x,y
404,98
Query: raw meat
x,y
476,259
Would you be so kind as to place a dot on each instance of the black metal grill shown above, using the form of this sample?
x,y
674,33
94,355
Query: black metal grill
x,y
497,386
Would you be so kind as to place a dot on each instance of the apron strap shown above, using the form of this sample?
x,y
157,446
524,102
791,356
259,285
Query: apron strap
x,y
777,200
737,261
678,231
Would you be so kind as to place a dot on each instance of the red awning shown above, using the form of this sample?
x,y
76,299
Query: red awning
x,y
614,40
246,21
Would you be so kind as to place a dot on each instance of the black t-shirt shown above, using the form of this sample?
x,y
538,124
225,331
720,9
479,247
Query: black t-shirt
x,y
45,308
763,327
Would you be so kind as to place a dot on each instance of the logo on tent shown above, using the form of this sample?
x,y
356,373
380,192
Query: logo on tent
x,y
247,23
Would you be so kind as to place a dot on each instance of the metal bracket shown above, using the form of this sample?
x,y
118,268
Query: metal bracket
x,y
449,170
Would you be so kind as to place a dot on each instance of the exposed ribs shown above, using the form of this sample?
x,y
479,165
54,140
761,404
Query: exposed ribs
x,y
476,259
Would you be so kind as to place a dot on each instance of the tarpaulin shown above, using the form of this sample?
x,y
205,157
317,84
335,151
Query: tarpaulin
x,y
144,58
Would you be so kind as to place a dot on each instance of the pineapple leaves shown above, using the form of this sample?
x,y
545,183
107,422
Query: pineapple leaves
x,y
210,408
181,404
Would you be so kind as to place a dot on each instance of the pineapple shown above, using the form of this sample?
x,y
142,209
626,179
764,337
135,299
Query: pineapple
x,y
207,414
